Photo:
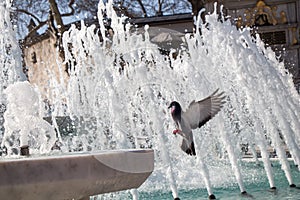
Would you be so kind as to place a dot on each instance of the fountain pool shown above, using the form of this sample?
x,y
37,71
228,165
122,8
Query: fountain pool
x,y
117,96
257,186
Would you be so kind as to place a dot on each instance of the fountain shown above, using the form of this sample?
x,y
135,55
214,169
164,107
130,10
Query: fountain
x,y
32,169
119,89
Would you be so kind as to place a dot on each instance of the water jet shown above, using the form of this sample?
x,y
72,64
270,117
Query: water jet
x,y
121,94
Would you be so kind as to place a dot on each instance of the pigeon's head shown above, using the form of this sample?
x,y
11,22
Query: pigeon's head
x,y
175,108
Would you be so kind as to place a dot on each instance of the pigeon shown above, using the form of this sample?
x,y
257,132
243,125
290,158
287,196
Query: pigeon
x,y
197,114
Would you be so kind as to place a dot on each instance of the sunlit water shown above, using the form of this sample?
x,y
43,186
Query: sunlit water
x,y
117,96
257,186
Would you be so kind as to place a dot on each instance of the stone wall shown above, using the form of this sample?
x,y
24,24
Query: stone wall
x,y
44,65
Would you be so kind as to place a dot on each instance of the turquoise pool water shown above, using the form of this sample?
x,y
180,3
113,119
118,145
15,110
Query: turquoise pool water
x,y
257,191
258,188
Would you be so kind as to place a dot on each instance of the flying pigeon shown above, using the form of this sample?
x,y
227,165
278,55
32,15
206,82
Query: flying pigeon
x,y
197,114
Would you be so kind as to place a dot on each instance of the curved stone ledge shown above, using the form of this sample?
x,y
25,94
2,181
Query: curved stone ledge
x,y
75,176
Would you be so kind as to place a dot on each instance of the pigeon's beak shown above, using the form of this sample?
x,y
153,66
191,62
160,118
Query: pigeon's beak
x,y
169,106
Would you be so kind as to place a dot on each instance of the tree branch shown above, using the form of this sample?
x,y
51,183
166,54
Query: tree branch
x,y
197,5
34,30
57,16
159,12
142,7
29,13
72,9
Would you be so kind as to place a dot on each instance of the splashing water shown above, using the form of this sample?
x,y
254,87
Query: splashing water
x,y
24,121
10,58
119,89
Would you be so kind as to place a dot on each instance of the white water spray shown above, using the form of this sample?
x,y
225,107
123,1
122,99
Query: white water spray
x,y
120,88
10,60
24,124
10,53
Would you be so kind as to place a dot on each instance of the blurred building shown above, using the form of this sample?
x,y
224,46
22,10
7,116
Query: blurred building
x,y
278,24
276,21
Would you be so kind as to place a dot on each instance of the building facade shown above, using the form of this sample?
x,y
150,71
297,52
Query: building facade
x,y
278,24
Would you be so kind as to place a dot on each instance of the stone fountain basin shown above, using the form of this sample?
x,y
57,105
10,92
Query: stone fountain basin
x,y
77,175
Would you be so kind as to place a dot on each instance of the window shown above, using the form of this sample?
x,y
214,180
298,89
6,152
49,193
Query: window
x,y
271,38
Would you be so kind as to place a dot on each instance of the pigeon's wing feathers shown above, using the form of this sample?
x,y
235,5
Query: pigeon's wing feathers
x,y
198,113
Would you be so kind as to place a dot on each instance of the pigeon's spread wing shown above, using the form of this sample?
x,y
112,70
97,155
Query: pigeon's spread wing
x,y
198,113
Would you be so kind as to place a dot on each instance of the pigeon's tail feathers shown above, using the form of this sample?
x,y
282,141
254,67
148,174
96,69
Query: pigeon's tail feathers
x,y
193,149
190,150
